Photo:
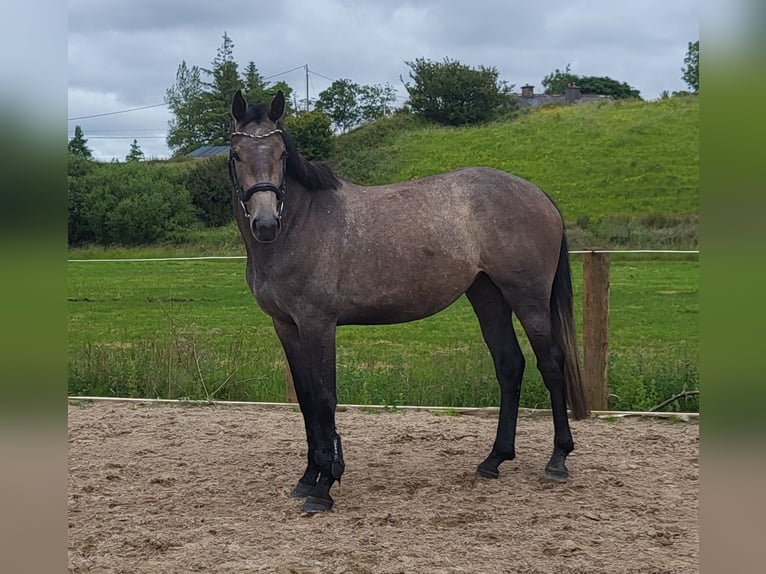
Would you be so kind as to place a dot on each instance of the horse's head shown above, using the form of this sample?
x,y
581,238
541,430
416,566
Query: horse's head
x,y
257,160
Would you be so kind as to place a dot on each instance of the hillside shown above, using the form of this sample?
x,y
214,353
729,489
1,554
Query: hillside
x,y
611,166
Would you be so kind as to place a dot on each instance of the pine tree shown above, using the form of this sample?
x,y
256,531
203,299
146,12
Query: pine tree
x,y
201,109
254,87
135,154
225,81
691,69
77,145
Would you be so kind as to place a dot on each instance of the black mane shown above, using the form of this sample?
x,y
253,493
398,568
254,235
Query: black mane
x,y
312,175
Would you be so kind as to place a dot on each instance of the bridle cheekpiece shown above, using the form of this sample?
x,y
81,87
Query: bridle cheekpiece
x,y
245,195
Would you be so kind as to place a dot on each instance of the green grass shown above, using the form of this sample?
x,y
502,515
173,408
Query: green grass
x,y
596,160
191,330
623,173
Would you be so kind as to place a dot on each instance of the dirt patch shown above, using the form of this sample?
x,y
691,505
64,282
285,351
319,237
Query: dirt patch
x,y
161,489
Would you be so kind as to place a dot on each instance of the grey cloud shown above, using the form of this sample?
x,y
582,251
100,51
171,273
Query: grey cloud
x,y
129,51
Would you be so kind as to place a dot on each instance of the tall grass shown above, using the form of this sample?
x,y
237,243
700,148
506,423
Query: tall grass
x,y
191,329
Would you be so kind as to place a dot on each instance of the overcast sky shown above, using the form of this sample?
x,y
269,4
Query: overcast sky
x,y
124,55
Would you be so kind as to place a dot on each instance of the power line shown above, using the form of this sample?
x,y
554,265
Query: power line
x,y
164,104
117,112
285,72
108,130
322,76
397,96
126,137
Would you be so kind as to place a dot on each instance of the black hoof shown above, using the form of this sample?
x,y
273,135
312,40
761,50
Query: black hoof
x,y
301,490
556,474
485,472
314,504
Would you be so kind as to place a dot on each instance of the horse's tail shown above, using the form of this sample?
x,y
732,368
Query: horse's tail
x,y
562,323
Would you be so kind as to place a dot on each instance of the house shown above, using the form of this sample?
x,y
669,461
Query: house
x,y
208,151
572,95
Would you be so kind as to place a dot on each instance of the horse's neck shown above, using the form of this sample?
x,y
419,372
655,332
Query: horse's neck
x,y
297,206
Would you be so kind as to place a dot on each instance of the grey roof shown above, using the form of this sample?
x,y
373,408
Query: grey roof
x,y
209,151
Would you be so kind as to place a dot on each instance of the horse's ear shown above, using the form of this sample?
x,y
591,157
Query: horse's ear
x,y
277,107
238,106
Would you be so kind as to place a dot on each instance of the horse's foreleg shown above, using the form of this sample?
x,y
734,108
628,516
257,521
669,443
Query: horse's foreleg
x,y
288,335
312,361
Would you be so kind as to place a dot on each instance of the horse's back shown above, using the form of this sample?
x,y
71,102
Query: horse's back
x,y
477,185
480,208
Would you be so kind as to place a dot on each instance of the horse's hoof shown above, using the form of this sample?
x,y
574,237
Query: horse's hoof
x,y
485,472
314,504
556,474
301,490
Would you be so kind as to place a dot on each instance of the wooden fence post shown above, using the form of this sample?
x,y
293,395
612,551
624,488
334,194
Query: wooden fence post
x,y
595,327
292,397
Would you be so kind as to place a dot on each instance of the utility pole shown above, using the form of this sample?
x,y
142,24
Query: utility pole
x,y
306,66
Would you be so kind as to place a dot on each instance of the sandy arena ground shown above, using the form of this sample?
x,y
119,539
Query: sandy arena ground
x,y
161,489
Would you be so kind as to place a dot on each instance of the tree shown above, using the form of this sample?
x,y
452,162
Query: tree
x,y
557,81
78,144
452,93
225,81
200,108
186,101
135,154
339,103
312,134
691,67
254,88
349,104
606,86
376,101
281,86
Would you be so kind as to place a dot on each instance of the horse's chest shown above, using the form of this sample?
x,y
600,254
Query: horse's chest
x,y
266,297
277,300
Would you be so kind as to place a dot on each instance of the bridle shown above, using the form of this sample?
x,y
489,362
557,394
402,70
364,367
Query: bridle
x,y
244,195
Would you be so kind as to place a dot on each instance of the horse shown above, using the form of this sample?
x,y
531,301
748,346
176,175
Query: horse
x,y
323,252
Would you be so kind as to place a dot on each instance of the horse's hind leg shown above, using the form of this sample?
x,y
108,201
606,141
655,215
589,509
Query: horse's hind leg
x,y
535,317
494,316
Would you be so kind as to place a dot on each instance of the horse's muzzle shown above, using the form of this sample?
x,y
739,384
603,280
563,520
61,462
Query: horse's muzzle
x,y
265,229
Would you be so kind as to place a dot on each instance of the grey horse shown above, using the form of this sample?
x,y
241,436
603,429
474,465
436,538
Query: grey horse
x,y
323,252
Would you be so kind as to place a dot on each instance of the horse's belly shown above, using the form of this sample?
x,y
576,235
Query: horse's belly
x,y
388,315
383,303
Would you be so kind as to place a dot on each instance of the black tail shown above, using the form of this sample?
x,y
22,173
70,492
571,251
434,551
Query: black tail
x,y
562,323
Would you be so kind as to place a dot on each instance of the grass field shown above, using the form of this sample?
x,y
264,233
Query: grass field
x,y
190,329
624,174
628,158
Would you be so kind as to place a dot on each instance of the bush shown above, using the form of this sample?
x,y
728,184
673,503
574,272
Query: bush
x,y
127,204
455,94
210,188
78,167
312,134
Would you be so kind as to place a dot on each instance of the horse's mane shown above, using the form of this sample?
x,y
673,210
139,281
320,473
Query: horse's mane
x,y
312,175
